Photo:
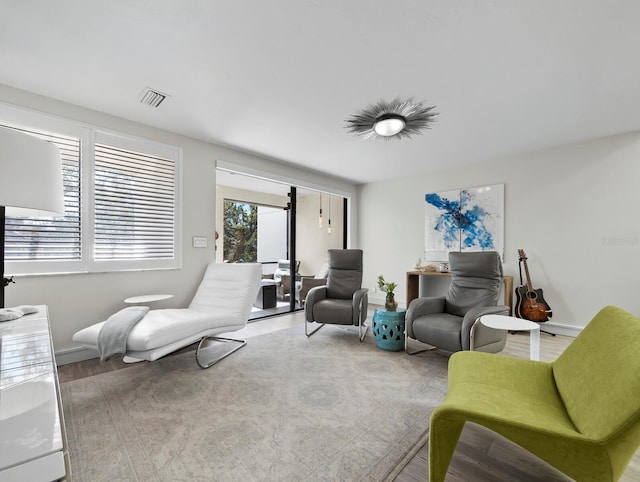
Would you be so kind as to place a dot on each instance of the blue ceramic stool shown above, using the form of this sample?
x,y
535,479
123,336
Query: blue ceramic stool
x,y
388,329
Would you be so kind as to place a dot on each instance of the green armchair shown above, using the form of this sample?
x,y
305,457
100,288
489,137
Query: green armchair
x,y
580,413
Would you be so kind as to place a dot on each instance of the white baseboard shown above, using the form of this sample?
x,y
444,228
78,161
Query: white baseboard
x,y
560,329
550,326
72,355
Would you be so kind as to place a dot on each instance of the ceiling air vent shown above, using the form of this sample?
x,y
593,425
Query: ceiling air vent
x,y
152,97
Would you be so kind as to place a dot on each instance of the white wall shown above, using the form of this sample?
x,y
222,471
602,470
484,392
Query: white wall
x,y
78,300
313,241
572,209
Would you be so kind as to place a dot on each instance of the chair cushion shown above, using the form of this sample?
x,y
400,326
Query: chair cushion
x,y
439,329
345,273
221,304
476,280
486,386
598,375
334,311
161,327
228,290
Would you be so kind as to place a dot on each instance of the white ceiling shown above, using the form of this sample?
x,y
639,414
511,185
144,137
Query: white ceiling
x,y
279,78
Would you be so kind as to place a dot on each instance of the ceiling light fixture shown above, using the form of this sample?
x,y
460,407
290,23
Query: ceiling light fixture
x,y
388,125
391,120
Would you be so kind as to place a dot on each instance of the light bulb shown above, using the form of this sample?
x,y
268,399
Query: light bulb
x,y
389,125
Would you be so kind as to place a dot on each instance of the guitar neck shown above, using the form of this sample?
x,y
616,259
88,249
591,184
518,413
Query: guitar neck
x,y
526,272
523,258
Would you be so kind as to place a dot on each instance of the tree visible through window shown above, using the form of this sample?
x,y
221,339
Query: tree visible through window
x,y
240,232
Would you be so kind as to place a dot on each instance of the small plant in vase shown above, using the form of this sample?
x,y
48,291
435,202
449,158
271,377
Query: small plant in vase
x,y
390,302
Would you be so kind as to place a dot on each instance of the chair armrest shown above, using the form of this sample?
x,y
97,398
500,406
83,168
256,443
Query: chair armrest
x,y
422,306
286,283
307,283
472,315
360,305
425,306
313,296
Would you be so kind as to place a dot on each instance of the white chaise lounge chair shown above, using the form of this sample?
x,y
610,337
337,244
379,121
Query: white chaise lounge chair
x,y
221,304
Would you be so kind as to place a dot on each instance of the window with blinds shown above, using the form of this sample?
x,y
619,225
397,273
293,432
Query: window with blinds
x,y
50,239
134,199
121,197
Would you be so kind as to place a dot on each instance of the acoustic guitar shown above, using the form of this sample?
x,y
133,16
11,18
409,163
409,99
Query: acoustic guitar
x,y
530,303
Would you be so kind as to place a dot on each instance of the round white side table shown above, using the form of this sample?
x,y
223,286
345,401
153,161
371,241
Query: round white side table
x,y
147,298
511,323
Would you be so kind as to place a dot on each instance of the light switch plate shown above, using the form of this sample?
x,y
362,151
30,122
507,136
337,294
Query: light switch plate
x,y
200,242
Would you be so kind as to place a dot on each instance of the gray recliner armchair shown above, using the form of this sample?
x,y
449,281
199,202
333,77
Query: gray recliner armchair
x,y
342,301
450,322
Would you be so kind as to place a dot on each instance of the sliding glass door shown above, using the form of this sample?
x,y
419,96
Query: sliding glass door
x,y
253,232
278,226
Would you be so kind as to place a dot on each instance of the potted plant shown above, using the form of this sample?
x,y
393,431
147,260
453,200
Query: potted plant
x,y
390,302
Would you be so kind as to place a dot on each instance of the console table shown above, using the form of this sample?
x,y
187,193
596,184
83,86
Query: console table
x,y
33,445
413,286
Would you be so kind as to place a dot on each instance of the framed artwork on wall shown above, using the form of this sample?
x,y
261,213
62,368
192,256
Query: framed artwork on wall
x,y
470,219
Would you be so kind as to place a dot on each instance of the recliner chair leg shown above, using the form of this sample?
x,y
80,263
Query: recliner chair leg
x,y
226,354
406,346
306,328
362,334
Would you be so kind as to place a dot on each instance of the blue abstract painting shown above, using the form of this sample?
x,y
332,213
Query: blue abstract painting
x,y
469,219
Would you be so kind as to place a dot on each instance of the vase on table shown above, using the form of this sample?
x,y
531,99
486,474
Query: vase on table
x,y
390,303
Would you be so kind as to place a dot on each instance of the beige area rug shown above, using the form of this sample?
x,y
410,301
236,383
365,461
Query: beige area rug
x,y
283,408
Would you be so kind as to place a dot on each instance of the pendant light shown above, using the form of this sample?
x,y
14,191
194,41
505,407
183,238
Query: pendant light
x,y
329,222
320,218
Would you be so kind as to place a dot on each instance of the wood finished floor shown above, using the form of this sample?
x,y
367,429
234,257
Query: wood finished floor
x,y
481,455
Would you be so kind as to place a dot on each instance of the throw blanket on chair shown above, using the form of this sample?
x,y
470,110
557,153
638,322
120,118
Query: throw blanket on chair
x,y
112,339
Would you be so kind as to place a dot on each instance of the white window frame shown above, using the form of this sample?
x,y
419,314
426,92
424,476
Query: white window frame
x,y
89,135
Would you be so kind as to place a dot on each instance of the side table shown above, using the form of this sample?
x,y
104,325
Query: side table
x,y
147,298
511,323
388,329
266,297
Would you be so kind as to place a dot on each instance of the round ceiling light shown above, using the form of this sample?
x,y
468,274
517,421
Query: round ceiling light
x,y
391,120
389,125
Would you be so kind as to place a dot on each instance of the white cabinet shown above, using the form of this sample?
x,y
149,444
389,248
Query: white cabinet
x,y
32,440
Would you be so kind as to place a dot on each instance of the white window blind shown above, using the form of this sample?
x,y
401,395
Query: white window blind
x,y
135,205
122,203
50,239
